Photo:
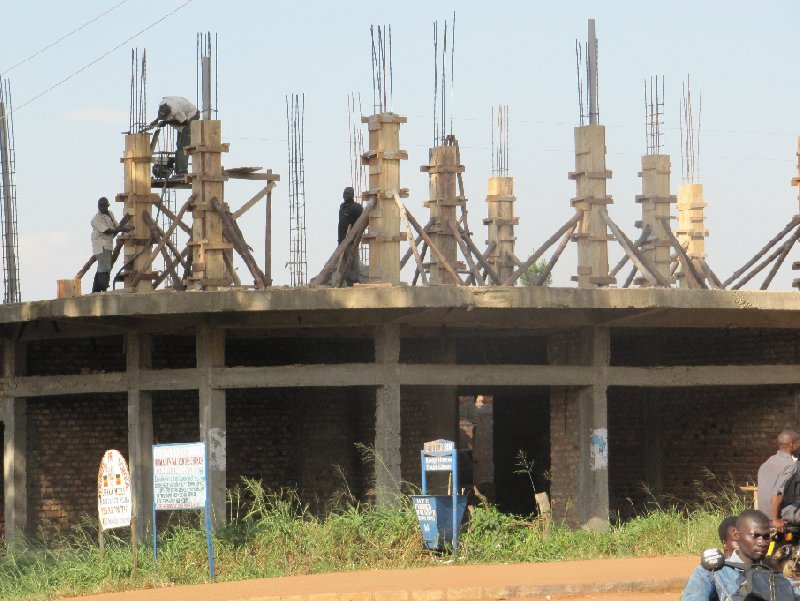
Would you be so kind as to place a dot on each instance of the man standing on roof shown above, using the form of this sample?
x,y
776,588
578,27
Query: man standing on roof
x,y
104,228
179,113
349,212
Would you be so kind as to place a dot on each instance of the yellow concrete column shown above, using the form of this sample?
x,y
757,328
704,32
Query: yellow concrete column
x,y
442,169
691,232
655,200
500,201
383,159
208,247
137,200
590,177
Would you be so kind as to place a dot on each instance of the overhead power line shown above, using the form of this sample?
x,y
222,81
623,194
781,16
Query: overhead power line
x,y
63,37
101,57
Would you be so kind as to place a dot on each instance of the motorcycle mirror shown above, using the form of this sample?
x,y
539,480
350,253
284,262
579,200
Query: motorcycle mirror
x,y
712,559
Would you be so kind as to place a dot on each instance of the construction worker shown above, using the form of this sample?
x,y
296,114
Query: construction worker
x,y
177,112
349,212
104,228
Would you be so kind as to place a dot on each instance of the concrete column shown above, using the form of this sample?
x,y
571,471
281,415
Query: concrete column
x,y
383,158
443,170
691,232
590,177
208,247
210,354
387,416
138,200
138,355
500,201
579,431
15,452
655,200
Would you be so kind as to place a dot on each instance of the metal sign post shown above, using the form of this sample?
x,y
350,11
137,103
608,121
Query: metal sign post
x,y
180,481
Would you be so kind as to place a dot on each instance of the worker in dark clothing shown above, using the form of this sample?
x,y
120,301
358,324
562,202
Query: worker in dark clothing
x,y
349,212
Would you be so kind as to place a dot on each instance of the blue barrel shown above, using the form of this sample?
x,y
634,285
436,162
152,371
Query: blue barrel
x,y
435,515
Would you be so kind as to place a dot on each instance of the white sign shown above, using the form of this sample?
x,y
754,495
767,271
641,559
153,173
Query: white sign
x,y
439,464
598,449
113,491
439,446
179,476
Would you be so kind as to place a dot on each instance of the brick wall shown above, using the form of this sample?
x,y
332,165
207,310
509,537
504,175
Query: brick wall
x,y
291,351
698,346
564,449
76,355
727,431
67,437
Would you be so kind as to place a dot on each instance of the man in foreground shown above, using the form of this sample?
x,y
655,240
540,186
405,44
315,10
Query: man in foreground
x,y
724,583
775,476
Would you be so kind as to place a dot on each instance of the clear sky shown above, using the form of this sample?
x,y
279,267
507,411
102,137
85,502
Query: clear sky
x,y
742,55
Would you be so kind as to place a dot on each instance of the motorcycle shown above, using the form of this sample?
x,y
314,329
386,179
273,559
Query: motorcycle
x,y
783,551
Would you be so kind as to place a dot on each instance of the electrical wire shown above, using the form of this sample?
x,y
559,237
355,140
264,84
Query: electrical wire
x,y
105,54
63,37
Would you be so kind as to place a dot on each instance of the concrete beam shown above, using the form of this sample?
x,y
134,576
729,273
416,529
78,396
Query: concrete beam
x,y
210,347
738,307
406,374
15,449
704,375
138,355
387,416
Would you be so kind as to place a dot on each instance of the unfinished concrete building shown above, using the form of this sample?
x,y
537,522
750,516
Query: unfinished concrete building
x,y
615,393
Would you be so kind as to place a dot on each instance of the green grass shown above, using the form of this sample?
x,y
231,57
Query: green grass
x,y
274,534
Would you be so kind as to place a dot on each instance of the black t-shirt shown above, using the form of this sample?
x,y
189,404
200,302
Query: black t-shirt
x,y
349,212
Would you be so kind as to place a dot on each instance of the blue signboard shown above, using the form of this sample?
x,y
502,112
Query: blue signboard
x,y
439,515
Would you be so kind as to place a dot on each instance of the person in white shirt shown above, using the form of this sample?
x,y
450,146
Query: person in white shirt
x,y
177,112
104,228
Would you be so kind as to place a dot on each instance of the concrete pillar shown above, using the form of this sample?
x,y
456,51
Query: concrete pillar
x,y
15,451
383,159
208,247
138,355
691,232
590,177
387,416
443,170
137,200
500,201
210,345
579,431
655,200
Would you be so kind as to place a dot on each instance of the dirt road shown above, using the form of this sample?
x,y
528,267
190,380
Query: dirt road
x,y
638,579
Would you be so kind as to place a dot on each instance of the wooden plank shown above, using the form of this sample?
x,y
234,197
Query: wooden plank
x,y
757,269
235,238
231,269
690,272
412,244
624,259
422,255
789,227
631,275
252,202
482,257
154,253
542,277
542,249
476,273
164,209
636,257
409,252
442,260
787,248
712,277
185,255
357,228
